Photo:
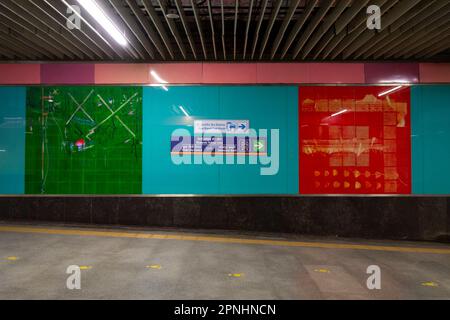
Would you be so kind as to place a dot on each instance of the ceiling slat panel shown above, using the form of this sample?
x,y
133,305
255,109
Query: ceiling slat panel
x,y
135,35
407,20
298,26
226,30
187,30
151,32
173,29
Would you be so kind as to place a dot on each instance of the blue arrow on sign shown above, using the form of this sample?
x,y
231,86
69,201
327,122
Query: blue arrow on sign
x,y
242,126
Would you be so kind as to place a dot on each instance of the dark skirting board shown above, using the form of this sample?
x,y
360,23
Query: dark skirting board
x,y
407,218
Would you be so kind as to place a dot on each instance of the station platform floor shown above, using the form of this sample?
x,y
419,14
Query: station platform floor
x,y
136,263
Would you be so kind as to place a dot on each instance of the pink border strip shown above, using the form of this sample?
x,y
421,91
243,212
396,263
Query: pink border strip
x,y
434,72
20,74
67,73
217,73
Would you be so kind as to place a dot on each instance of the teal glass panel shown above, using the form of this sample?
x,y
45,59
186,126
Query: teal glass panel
x,y
430,117
265,107
12,140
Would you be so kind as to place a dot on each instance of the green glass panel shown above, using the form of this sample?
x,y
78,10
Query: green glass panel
x,y
84,140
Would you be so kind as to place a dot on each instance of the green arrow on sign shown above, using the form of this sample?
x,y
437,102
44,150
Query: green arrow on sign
x,y
258,145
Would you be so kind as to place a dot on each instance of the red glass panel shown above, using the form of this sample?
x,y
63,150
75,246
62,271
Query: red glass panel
x,y
354,140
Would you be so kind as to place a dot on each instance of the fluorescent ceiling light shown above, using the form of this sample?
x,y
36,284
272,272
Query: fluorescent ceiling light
x,y
97,13
389,91
185,112
338,113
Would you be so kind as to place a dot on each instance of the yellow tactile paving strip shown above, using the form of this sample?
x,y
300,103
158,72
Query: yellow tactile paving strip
x,y
188,237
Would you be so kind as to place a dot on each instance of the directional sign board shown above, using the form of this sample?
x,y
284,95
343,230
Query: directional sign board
x,y
240,146
221,126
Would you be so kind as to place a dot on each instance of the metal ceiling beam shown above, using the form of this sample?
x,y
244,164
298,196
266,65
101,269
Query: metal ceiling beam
x,y
406,20
223,31
213,34
442,46
55,37
328,21
324,41
331,45
355,29
17,49
250,8
13,21
61,9
273,17
44,16
424,46
262,12
287,19
158,25
145,23
42,21
298,26
173,29
336,42
342,23
235,28
26,39
136,37
361,18
23,47
337,34
62,22
200,29
5,52
325,6
423,30
78,37
351,38
133,49
421,37
389,18
15,36
31,33
412,29
187,30
407,32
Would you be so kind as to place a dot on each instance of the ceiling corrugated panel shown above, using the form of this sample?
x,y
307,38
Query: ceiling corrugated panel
x,y
228,30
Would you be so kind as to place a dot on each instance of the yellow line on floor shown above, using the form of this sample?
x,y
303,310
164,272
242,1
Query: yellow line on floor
x,y
282,243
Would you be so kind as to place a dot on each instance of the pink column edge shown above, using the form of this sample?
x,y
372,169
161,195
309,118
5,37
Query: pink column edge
x,y
428,74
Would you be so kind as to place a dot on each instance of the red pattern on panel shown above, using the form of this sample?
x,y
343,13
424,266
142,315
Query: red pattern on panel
x,y
353,141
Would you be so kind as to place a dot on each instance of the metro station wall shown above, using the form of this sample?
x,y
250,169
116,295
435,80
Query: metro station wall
x,y
128,150
266,107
